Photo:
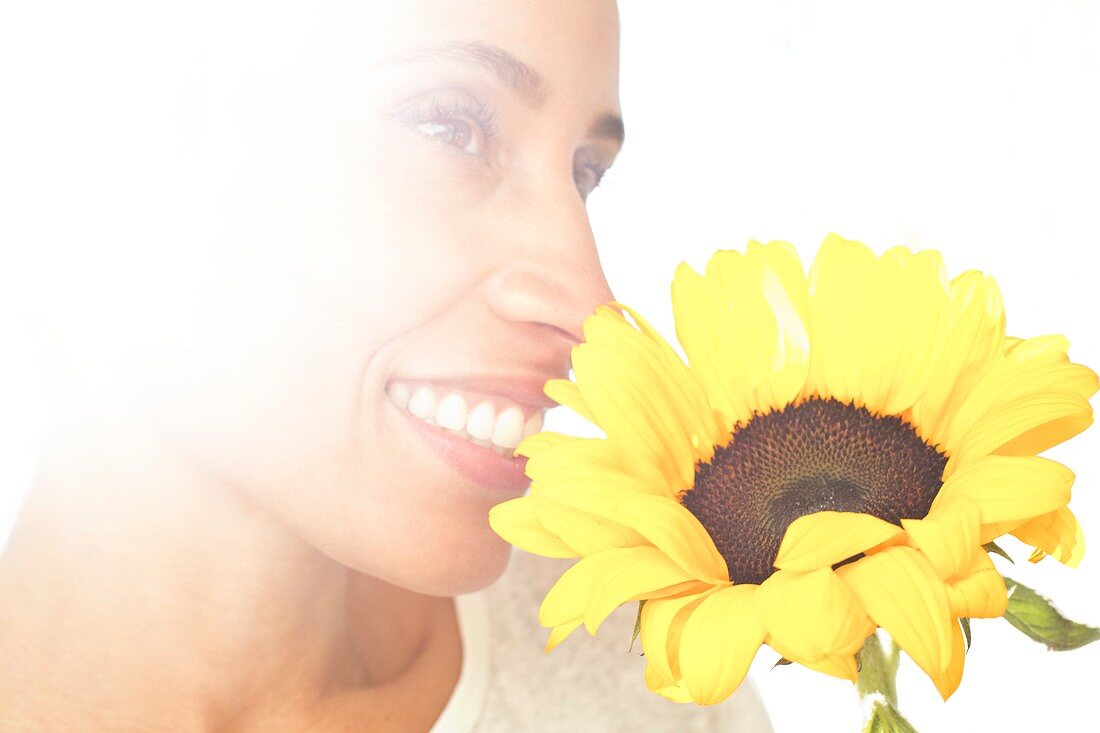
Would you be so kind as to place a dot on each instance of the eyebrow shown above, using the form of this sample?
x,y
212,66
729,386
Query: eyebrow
x,y
513,73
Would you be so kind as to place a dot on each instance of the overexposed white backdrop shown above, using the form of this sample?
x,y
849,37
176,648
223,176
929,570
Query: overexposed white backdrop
x,y
969,127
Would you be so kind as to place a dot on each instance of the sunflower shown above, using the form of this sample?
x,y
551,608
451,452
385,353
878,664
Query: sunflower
x,y
831,460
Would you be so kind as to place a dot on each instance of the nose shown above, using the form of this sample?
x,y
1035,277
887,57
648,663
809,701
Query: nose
x,y
550,274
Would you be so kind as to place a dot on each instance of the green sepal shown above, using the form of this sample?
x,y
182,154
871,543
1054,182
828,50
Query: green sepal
x,y
637,626
1037,617
965,623
995,549
885,719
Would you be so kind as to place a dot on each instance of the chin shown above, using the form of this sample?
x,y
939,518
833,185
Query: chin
x,y
470,567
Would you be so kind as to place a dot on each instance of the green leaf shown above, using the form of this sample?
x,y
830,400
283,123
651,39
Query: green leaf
x,y
886,719
637,626
877,671
1037,617
965,623
994,548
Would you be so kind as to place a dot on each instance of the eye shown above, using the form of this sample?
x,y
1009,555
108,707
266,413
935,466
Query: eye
x,y
456,132
453,117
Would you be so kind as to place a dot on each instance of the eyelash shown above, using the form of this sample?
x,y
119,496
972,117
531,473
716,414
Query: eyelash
x,y
457,104
452,106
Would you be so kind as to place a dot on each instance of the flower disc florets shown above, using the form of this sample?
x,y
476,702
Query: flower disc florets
x,y
816,456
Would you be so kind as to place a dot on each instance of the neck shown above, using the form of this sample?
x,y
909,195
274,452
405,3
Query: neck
x,y
133,583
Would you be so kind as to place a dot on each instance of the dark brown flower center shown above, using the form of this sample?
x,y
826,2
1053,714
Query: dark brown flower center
x,y
819,455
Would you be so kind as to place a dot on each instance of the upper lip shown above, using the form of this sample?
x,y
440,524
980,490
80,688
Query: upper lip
x,y
524,389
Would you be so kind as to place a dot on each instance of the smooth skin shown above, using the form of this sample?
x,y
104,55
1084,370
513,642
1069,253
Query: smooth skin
x,y
231,527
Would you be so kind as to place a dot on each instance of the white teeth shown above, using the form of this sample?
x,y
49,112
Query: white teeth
x,y
533,424
422,403
480,423
508,431
483,425
399,395
450,413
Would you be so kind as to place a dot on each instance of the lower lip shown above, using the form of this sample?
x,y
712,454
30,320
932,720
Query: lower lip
x,y
480,465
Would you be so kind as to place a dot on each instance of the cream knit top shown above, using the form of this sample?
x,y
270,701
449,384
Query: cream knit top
x,y
591,684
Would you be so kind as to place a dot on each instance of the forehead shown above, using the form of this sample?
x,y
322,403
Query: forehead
x,y
572,44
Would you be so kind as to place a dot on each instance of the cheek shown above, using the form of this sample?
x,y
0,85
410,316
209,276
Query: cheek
x,y
261,383
262,344
268,365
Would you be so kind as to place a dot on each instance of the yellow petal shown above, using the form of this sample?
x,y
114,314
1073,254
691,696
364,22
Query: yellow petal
x,y
901,593
744,327
644,346
1057,534
898,540
534,444
842,666
1047,349
837,665
705,426
1037,420
656,682
584,533
811,615
878,324
516,522
549,475
1036,373
559,633
823,539
662,623
948,537
979,592
643,397
595,460
993,530
719,641
651,579
632,408
1046,436
566,393
975,341
596,585
948,680
1010,488
663,521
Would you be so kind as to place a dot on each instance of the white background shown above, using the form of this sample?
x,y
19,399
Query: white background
x,y
970,127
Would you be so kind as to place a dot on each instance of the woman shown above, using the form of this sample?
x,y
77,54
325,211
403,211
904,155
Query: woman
x,y
282,430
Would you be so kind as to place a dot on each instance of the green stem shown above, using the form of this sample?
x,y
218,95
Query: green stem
x,y
878,671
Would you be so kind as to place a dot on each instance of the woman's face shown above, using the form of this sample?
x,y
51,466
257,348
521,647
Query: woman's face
x,y
396,204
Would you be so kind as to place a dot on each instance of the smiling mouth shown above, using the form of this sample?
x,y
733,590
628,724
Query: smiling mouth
x,y
487,421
